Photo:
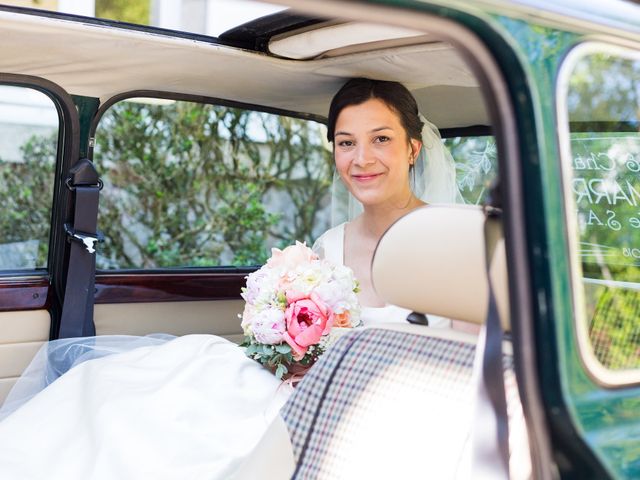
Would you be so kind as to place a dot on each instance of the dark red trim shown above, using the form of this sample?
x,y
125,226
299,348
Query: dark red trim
x,y
168,287
23,293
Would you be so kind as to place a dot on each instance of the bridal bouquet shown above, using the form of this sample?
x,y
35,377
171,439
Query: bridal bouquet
x,y
293,304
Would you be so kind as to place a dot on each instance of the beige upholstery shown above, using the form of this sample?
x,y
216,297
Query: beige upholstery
x,y
21,335
439,252
177,318
187,66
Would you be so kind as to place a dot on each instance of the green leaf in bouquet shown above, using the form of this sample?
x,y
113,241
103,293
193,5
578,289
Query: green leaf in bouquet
x,y
280,371
266,350
281,299
283,348
252,349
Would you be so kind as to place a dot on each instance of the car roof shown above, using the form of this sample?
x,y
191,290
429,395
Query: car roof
x,y
266,63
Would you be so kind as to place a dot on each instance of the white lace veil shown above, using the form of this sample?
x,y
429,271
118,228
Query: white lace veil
x,y
433,179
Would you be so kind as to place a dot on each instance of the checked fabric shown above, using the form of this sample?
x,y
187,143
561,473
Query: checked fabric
x,y
385,404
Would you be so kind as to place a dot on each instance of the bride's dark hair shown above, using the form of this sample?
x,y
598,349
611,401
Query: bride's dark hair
x,y
395,95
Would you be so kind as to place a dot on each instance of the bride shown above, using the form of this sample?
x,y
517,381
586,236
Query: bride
x,y
194,406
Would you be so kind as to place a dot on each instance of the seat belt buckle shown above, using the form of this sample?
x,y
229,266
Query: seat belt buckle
x,y
89,240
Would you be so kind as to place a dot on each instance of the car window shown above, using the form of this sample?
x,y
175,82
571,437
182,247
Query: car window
x,y
603,106
29,125
190,184
476,165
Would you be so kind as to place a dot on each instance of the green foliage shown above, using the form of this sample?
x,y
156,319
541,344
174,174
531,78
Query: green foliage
x,y
607,239
277,358
614,329
26,193
605,87
132,11
603,104
188,184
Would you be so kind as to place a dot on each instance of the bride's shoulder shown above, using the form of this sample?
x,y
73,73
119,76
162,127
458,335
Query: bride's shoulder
x,y
331,237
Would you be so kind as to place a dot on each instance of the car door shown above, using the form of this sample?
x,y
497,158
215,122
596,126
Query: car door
x,y
39,132
189,210
573,291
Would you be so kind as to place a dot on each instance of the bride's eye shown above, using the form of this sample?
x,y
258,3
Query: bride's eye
x,y
345,143
381,139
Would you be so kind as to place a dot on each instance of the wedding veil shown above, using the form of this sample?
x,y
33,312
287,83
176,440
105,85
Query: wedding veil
x,y
433,178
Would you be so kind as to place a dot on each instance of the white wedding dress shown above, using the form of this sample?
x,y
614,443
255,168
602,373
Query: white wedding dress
x,y
192,407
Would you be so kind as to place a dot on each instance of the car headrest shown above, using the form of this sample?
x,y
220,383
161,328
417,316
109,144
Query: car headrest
x,y
432,261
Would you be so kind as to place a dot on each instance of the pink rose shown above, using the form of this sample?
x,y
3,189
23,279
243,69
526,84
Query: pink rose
x,y
308,318
291,257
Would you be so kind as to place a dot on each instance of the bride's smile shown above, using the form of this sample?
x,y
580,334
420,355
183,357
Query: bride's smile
x,y
373,153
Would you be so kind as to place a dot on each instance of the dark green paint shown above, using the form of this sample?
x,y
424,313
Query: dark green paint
x,y
607,419
584,417
87,108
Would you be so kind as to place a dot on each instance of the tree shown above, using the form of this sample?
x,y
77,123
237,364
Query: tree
x,y
194,184
26,192
604,106
132,11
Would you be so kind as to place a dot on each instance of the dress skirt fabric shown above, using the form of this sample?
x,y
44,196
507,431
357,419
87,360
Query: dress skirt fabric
x,y
192,408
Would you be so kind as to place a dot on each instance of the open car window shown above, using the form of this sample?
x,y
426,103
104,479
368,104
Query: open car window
x,y
190,184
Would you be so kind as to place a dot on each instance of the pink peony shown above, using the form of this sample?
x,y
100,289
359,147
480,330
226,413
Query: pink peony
x,y
291,257
308,319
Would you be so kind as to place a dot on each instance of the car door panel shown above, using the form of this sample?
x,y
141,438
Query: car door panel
x,y
218,317
22,333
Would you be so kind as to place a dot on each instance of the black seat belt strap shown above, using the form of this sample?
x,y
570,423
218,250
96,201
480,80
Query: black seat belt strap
x,y
77,309
491,423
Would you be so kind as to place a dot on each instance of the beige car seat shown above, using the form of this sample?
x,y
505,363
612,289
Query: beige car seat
x,y
397,401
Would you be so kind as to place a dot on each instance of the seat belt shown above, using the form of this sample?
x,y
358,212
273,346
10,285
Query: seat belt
x,y
490,441
77,307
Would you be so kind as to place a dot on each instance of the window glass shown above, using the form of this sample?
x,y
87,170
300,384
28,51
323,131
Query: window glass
x,y
603,106
190,184
29,125
476,165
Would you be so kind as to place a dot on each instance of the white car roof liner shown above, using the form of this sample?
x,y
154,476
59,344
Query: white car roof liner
x,y
103,61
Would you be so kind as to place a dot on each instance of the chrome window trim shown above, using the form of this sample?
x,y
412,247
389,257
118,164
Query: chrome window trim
x,y
599,373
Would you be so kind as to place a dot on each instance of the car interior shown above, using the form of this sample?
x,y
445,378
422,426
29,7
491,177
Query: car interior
x,y
286,65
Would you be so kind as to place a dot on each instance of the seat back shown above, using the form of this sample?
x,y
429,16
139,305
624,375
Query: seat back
x,y
432,260
397,401
385,404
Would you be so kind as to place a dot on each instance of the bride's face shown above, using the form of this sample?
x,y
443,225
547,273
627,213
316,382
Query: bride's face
x,y
373,154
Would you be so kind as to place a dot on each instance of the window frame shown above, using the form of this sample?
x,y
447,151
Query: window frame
x,y
120,290
176,283
600,374
44,287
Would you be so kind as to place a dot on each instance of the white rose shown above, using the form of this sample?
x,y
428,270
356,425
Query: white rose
x,y
268,326
334,295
